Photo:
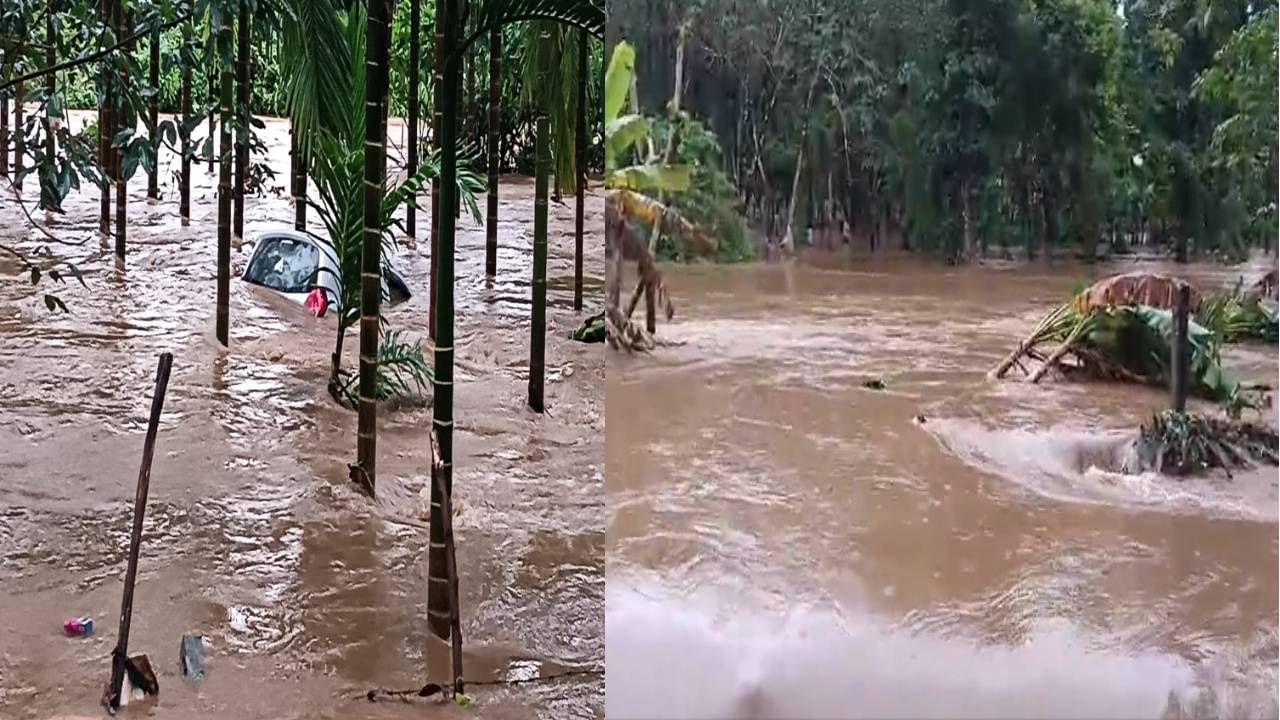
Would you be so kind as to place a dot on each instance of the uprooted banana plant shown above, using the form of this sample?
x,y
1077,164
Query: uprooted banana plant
x,y
1110,332
629,204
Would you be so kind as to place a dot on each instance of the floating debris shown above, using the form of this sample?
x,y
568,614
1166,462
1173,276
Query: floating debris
x,y
191,656
1182,444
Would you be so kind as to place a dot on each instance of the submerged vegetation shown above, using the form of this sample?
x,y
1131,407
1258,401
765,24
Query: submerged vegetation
x,y
1183,444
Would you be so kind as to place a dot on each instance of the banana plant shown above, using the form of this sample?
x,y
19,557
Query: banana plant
x,y
626,134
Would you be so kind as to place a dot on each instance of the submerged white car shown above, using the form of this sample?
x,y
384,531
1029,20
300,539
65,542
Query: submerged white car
x,y
295,265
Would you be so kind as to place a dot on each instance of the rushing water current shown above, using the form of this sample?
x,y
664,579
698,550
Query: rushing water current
x,y
784,542
308,594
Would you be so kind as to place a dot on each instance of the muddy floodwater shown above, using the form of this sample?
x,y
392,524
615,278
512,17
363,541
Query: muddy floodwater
x,y
307,593
784,542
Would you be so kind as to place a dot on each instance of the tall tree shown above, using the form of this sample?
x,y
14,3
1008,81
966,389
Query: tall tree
x,y
538,321
492,148
415,60
184,181
375,147
223,20
153,114
584,48
244,37
124,121
437,72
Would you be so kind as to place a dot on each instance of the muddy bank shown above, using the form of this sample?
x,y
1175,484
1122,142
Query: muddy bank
x,y
307,593
752,466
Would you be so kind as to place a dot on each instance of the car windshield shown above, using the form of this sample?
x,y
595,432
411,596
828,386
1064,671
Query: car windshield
x,y
284,264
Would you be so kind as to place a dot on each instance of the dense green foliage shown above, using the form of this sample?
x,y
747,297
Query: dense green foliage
x,y
968,126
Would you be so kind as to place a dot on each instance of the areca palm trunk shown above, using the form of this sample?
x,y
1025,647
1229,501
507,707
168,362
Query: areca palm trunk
x,y
122,187
104,136
438,587
538,323
224,187
415,53
495,119
153,114
214,91
375,148
4,130
184,191
584,44
242,115
51,81
19,122
436,130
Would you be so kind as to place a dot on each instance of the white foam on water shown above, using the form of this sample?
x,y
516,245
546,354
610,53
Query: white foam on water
x,y
709,657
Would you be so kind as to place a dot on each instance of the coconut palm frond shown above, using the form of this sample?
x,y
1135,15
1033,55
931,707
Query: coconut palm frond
x,y
316,67
586,14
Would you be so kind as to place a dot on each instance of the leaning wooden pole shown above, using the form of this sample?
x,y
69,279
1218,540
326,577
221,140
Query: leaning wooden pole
x,y
495,121
415,60
224,187
438,617
153,116
243,97
437,75
538,322
111,698
378,32
580,157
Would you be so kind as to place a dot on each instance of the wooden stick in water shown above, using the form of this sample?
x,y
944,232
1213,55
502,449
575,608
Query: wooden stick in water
x,y
111,698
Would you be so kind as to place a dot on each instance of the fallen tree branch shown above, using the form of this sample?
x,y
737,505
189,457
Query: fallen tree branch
x,y
431,689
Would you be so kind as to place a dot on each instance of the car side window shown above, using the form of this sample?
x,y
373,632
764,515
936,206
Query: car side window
x,y
285,265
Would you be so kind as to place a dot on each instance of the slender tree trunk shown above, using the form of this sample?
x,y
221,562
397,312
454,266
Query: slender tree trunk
x,y
19,121
153,114
473,107
225,154
584,45
436,129
788,239
51,80
438,586
122,185
244,95
104,136
214,92
538,323
415,59
4,131
375,148
300,207
184,192
495,135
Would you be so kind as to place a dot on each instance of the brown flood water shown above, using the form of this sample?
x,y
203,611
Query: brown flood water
x,y
784,542
308,594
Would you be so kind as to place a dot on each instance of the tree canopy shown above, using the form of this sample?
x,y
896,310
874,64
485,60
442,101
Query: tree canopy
x,y
967,126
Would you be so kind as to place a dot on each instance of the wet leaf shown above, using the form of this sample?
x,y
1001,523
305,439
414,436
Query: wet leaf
x,y
429,689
